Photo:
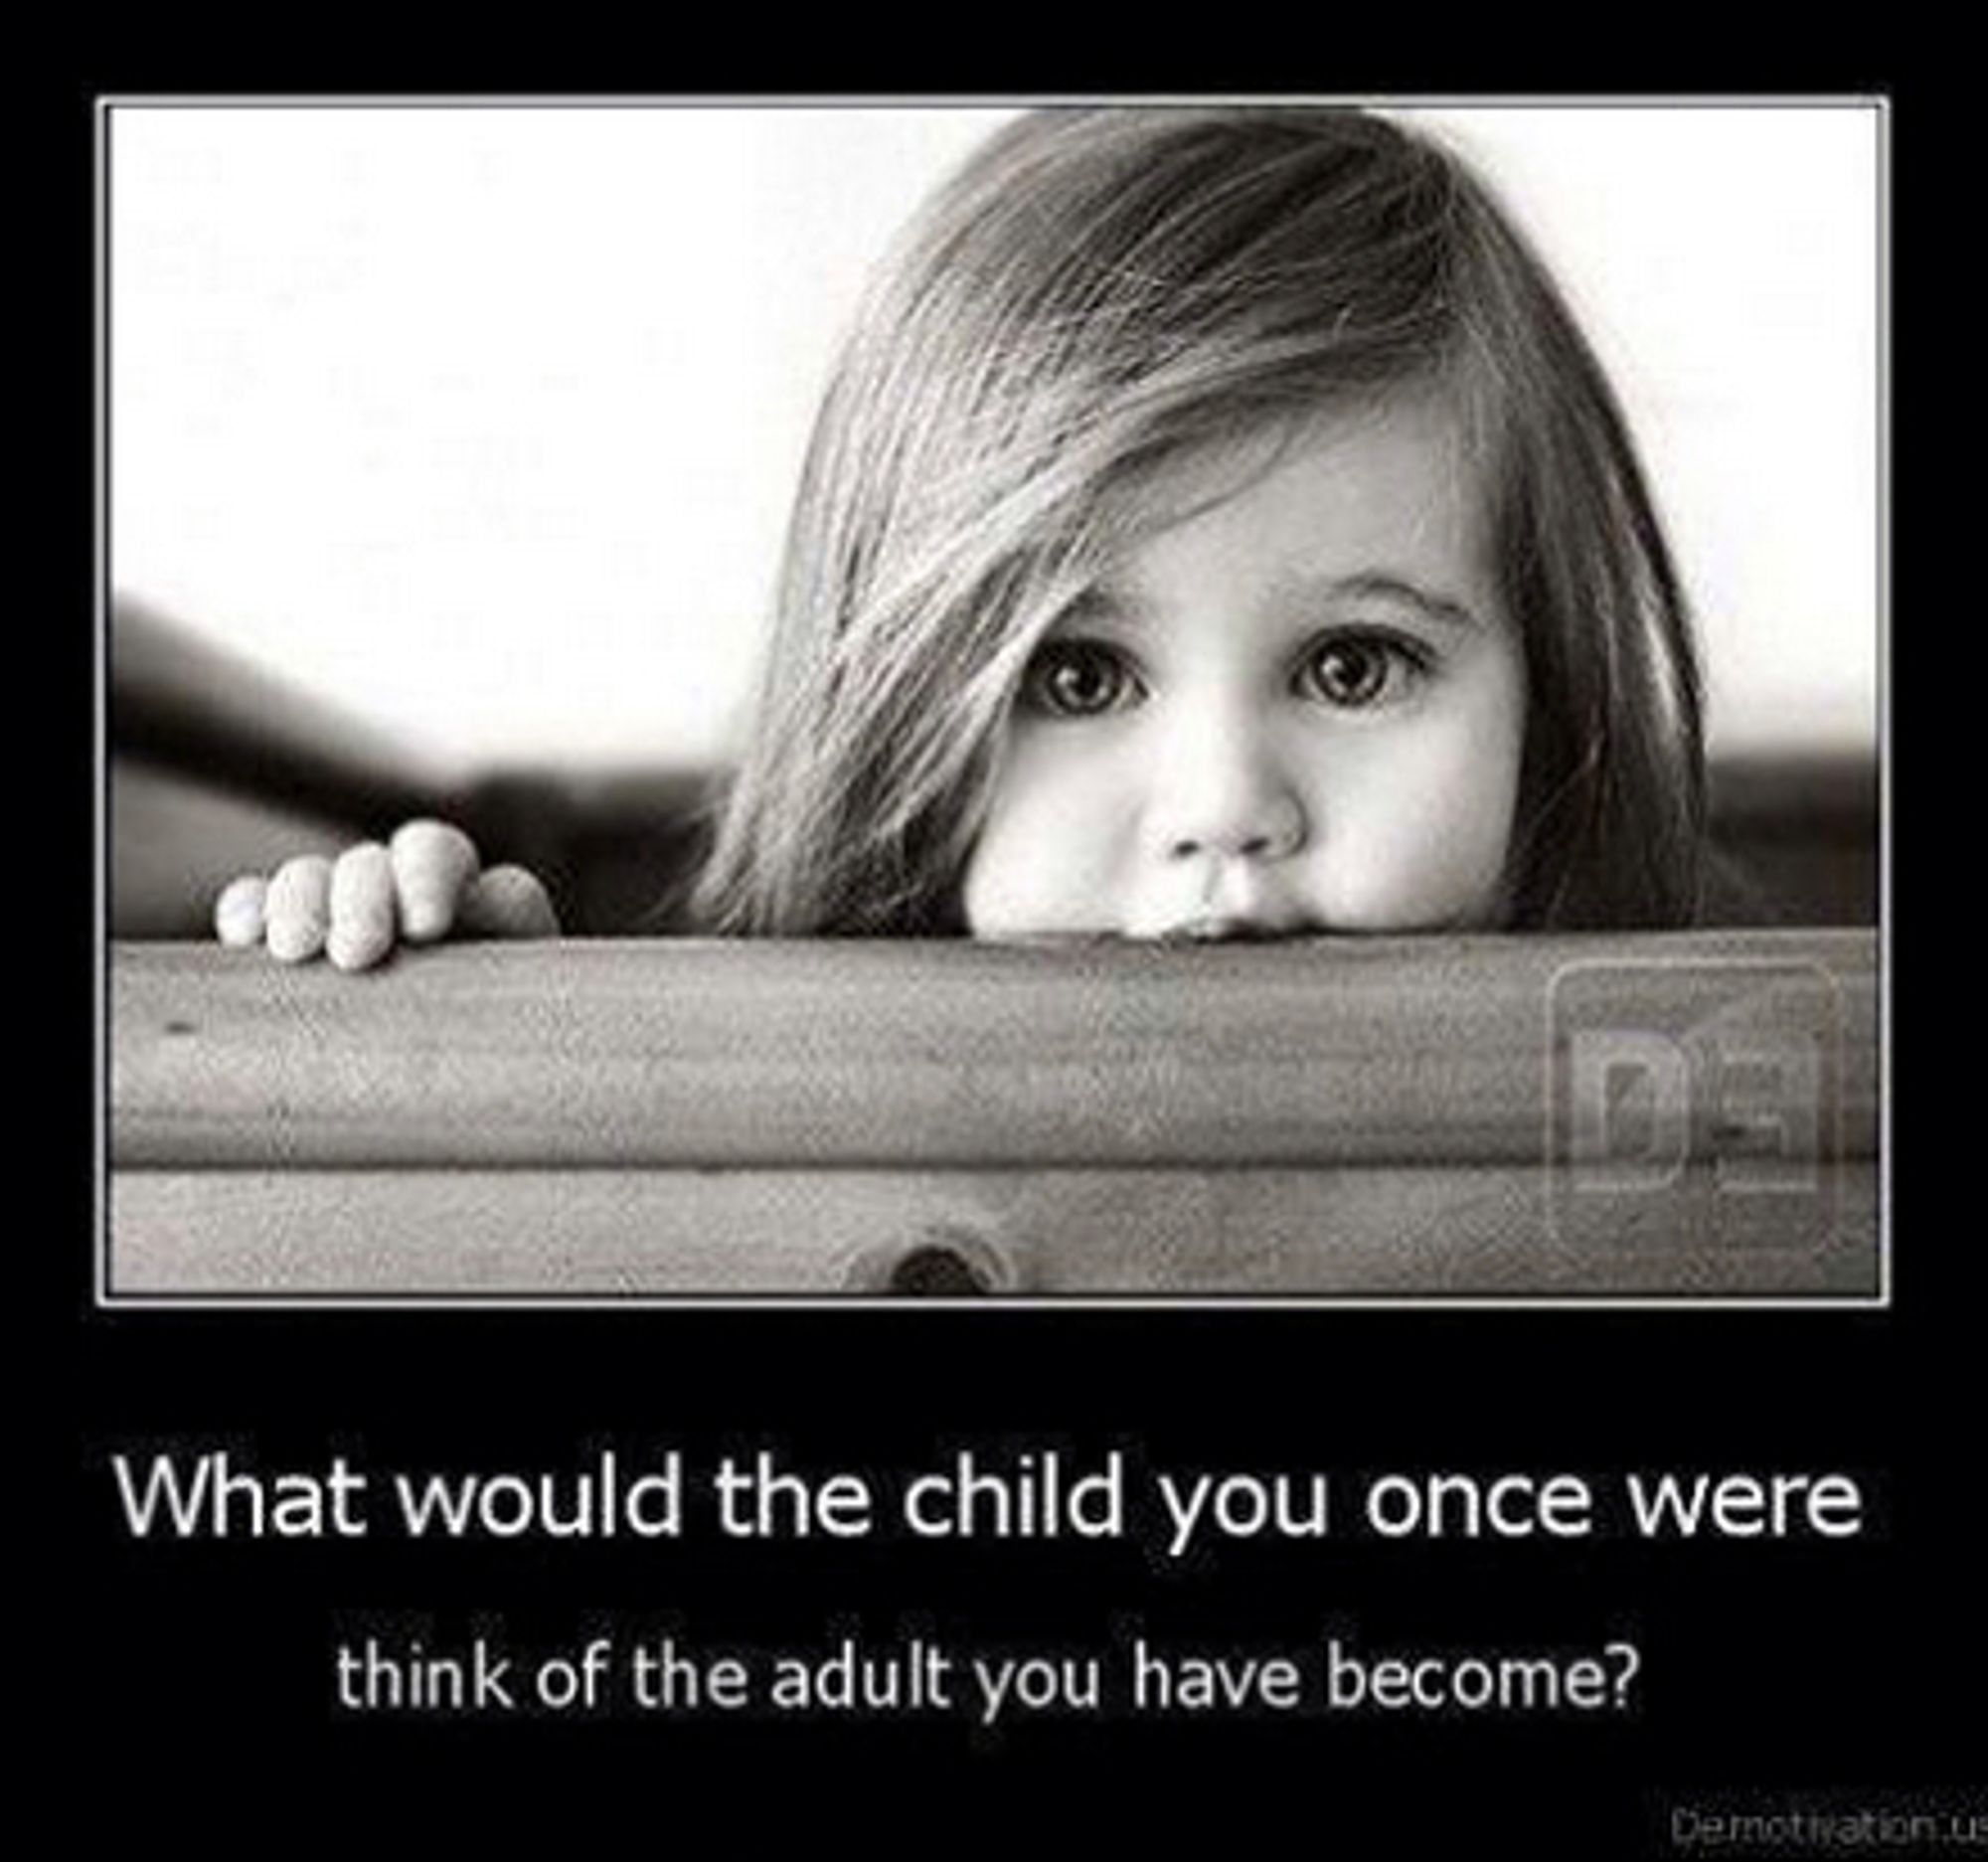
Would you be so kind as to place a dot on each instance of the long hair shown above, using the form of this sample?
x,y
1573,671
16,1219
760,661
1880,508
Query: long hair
x,y
1096,291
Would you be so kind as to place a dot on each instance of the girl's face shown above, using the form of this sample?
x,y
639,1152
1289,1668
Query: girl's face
x,y
1298,708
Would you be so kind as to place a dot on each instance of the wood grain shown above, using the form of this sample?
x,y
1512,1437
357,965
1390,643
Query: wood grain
x,y
1424,1053
1476,1231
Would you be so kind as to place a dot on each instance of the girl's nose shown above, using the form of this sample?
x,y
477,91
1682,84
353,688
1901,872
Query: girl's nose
x,y
1220,792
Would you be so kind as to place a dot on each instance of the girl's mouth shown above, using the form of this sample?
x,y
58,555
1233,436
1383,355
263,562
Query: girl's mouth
x,y
1227,928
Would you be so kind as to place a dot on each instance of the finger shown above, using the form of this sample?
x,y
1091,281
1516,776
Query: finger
x,y
363,907
298,909
508,902
237,912
433,864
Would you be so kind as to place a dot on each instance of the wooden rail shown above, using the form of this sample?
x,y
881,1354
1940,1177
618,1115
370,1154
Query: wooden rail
x,y
1666,1115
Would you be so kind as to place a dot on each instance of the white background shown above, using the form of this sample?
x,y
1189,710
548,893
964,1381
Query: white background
x,y
484,421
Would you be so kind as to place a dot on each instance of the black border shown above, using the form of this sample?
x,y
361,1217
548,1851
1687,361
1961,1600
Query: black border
x,y
194,1671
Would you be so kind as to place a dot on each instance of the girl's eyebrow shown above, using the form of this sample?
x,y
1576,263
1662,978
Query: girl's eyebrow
x,y
1376,584
1100,603
1109,604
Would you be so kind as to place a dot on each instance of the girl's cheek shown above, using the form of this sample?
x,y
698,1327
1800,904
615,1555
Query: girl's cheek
x,y
1482,777
1417,832
1049,855
1483,858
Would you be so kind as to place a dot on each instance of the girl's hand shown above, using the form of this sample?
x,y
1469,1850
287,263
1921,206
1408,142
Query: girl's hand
x,y
355,909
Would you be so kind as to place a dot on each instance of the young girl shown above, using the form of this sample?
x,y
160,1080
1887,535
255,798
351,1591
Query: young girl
x,y
1216,526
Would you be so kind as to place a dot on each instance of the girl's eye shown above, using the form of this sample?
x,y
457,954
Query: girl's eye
x,y
1354,671
1079,679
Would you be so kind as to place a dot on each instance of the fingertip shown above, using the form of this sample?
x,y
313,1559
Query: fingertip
x,y
238,911
362,908
426,839
432,864
356,949
509,902
298,909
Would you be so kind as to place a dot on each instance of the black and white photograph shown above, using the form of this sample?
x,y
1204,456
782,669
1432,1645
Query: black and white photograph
x,y
1038,951
1259,700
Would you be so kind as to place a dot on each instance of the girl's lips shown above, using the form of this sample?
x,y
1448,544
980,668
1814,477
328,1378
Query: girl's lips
x,y
1228,928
